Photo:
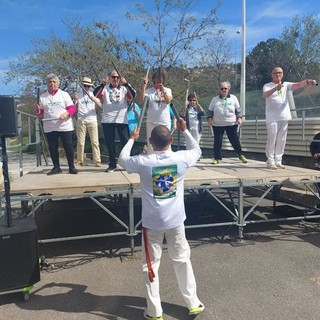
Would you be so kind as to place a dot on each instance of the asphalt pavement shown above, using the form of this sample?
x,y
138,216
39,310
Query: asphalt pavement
x,y
272,274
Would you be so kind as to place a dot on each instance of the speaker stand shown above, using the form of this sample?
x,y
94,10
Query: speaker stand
x,y
6,181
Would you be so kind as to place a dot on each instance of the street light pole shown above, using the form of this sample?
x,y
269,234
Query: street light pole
x,y
235,61
243,62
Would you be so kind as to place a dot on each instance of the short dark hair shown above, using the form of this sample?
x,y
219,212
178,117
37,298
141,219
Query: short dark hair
x,y
159,73
160,136
191,95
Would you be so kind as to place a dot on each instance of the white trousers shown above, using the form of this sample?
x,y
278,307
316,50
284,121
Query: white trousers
x,y
179,253
276,141
195,134
92,127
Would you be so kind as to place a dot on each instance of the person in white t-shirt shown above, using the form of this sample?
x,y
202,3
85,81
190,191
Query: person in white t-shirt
x,y
56,109
158,107
278,115
87,120
115,97
163,212
224,115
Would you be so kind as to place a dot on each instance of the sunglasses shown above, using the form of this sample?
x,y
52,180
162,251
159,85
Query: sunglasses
x,y
86,86
223,88
193,100
114,77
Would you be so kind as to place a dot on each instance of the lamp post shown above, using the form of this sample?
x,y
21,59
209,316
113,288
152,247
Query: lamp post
x,y
243,62
235,61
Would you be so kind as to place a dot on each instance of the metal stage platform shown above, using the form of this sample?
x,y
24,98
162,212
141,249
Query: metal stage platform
x,y
224,185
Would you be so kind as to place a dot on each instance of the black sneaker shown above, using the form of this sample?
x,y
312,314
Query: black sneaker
x,y
54,170
111,168
73,170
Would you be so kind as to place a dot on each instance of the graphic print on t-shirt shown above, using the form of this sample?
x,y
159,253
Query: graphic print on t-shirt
x,y
164,182
114,95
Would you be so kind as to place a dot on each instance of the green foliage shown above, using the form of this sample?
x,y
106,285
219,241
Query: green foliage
x,y
173,32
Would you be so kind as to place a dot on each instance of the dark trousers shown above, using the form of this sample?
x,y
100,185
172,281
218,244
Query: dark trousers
x,y
109,132
232,133
67,142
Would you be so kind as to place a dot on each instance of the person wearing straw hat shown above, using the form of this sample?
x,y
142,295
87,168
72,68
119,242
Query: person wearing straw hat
x,y
87,121
163,212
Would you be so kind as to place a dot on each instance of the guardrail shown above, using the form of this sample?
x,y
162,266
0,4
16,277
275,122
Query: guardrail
x,y
253,136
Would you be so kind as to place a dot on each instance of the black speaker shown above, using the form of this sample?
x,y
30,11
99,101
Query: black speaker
x,y
19,258
8,117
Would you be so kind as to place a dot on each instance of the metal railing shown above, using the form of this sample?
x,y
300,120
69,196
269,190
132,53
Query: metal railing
x,y
30,138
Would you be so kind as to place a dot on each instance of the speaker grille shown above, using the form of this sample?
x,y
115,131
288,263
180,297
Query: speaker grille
x,y
8,117
19,259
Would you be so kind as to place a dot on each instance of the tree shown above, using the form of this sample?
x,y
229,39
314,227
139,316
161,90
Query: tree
x,y
217,55
87,51
173,30
302,39
263,58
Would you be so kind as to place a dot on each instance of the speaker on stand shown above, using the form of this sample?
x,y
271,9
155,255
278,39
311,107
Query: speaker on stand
x,y
19,258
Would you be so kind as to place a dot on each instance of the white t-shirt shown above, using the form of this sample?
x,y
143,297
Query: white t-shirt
x,y
162,182
225,111
114,108
86,108
158,109
54,106
277,105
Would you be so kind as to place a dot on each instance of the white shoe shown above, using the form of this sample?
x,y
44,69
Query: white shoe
x,y
280,166
272,166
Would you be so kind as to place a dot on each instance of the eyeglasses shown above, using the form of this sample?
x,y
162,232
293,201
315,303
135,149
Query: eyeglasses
x,y
223,88
193,100
114,77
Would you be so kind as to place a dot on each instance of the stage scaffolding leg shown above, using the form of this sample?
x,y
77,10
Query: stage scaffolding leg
x,y
240,210
132,231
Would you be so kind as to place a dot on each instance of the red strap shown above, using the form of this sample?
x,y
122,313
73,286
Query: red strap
x,y
146,247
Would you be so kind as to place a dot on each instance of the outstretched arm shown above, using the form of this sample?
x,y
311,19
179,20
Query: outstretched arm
x,y
303,84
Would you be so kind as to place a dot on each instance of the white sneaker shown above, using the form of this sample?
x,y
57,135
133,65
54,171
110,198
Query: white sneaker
x,y
271,166
280,166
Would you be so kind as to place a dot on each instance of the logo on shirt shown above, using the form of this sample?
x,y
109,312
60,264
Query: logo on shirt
x,y
157,97
164,182
114,95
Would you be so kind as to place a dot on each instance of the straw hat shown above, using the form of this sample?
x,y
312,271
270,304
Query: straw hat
x,y
87,81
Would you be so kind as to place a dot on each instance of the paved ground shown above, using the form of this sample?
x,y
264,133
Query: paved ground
x,y
273,275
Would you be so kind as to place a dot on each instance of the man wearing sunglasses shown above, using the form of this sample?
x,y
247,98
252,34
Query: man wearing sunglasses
x,y
115,96
278,115
224,115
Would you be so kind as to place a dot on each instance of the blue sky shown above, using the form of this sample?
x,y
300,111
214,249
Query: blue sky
x,y
22,20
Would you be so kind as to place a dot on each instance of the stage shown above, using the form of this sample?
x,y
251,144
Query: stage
x,y
225,185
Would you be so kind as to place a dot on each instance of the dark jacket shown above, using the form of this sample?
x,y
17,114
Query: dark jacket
x,y
199,114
